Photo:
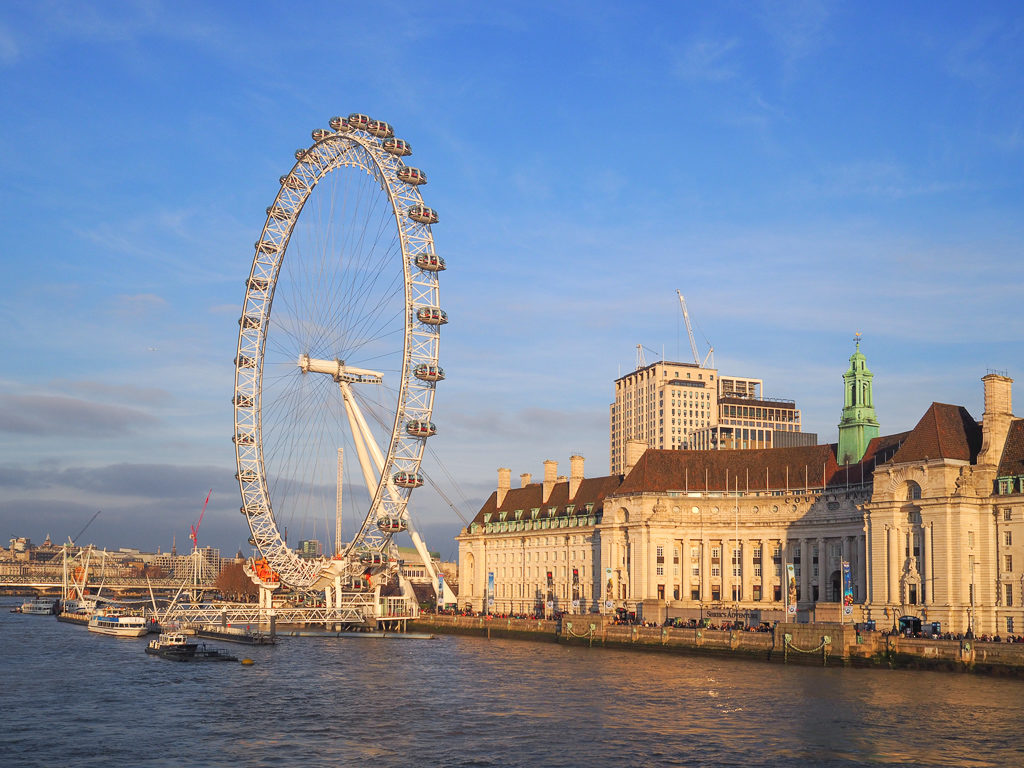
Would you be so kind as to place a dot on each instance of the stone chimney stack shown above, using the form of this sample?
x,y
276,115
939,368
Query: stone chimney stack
x,y
525,479
575,475
504,483
634,450
550,476
997,418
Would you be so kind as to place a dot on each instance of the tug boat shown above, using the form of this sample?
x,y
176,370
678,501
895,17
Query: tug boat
x,y
172,645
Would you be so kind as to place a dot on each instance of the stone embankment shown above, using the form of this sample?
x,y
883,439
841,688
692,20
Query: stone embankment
x,y
816,644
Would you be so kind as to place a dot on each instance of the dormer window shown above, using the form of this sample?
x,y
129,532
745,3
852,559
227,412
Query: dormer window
x,y
570,509
519,514
487,517
502,516
534,512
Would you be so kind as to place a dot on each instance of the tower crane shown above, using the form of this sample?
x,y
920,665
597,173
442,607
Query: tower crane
x,y
710,356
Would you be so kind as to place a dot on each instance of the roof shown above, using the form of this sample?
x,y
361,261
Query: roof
x,y
1012,461
592,490
944,432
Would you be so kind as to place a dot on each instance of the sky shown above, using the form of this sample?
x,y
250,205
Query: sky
x,y
801,171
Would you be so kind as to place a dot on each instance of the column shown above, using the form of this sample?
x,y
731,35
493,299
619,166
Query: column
x,y
748,569
894,573
779,570
823,571
926,566
705,569
805,570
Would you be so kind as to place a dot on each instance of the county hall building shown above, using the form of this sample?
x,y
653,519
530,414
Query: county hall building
x,y
931,522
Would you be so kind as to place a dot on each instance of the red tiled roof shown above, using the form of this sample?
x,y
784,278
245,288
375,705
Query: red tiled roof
x,y
592,490
944,432
1012,460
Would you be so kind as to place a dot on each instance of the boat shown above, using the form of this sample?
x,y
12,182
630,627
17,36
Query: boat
x,y
41,606
118,623
176,646
243,635
172,645
76,611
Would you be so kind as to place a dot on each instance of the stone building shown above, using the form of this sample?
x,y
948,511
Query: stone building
x,y
931,522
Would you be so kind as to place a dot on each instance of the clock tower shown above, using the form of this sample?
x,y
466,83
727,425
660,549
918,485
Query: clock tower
x,y
858,424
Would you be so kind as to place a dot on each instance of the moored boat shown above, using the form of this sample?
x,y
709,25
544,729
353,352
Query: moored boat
x,y
41,606
118,624
172,645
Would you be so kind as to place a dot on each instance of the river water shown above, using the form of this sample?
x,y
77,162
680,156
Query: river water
x,y
70,697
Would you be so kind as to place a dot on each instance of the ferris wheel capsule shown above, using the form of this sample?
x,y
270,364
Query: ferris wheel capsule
x,y
257,284
411,175
430,262
319,134
371,558
357,120
427,372
380,129
397,147
419,428
340,124
244,438
277,212
423,214
300,153
249,322
391,524
407,479
432,315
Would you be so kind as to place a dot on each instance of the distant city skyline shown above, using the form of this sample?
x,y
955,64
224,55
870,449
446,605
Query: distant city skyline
x,y
799,172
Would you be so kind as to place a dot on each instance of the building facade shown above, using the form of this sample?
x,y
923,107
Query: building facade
x,y
930,521
680,406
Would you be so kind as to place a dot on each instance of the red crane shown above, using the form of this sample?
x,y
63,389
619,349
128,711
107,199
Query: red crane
x,y
194,534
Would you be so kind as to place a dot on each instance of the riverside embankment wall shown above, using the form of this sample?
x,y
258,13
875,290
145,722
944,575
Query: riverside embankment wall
x,y
818,644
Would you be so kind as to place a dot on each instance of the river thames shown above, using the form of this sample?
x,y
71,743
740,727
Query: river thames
x,y
70,697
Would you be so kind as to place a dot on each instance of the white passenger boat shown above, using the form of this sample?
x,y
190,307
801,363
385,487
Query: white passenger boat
x,y
119,624
41,606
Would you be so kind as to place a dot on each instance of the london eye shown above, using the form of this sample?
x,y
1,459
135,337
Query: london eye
x,y
338,356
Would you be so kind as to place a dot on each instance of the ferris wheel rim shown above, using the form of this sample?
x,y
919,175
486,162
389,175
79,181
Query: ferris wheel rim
x,y
341,151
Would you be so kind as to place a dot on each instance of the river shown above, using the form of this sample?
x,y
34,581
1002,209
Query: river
x,y
70,697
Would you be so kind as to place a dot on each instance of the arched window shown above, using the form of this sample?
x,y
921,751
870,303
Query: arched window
x,y
913,491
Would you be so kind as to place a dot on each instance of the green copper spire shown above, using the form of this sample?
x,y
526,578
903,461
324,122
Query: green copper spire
x,y
859,423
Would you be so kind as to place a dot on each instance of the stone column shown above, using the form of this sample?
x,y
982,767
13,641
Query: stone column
x,y
927,581
823,572
805,570
748,569
781,566
705,569
894,573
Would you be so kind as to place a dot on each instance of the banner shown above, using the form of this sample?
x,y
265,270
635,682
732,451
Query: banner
x,y
490,590
847,590
790,589
440,589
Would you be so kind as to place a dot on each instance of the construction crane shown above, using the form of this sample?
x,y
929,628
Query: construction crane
x,y
71,540
710,356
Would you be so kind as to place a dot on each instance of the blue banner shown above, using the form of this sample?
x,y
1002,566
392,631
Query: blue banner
x,y
847,590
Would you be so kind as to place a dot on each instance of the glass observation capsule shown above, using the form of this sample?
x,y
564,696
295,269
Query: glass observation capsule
x,y
432,315
362,122
397,147
427,372
319,134
340,124
391,524
411,175
380,129
423,214
430,262
407,479
418,428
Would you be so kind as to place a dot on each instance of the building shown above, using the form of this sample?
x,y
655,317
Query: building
x,y
930,521
310,549
682,405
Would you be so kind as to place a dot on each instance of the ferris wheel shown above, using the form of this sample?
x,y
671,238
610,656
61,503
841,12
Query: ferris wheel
x,y
338,354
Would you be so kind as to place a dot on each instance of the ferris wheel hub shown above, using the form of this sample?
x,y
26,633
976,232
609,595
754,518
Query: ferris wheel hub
x,y
337,370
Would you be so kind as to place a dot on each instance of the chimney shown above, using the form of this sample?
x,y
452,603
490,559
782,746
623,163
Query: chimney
x,y
998,414
525,479
504,483
575,475
634,450
550,474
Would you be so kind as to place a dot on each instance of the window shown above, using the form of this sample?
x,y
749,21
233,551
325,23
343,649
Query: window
x,y
1009,563
1007,514
1007,538
716,571
757,570
660,570
970,538
696,570
1009,594
660,553
1009,624
757,592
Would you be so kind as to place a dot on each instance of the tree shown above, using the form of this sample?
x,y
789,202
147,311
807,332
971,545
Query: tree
x,y
233,584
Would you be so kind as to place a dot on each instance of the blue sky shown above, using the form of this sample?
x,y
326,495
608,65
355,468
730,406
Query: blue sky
x,y
800,171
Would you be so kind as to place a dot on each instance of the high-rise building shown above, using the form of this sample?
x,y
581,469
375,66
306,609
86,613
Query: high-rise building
x,y
684,406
